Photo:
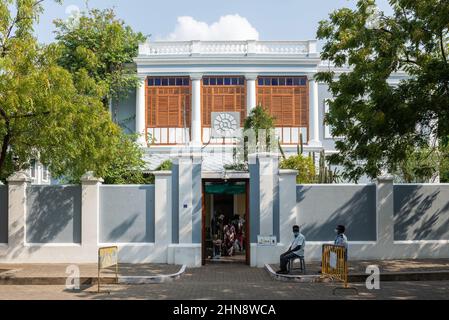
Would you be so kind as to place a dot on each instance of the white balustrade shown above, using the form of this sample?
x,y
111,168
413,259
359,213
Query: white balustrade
x,y
173,48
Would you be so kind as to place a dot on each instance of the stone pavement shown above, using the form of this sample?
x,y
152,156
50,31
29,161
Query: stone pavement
x,y
233,282
228,281
385,266
56,273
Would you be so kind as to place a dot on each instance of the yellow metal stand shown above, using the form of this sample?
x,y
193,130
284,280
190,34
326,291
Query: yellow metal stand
x,y
107,257
335,267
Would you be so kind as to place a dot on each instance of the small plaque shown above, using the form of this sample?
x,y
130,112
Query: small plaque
x,y
266,240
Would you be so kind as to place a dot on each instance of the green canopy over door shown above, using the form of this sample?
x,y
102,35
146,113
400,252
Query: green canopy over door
x,y
225,188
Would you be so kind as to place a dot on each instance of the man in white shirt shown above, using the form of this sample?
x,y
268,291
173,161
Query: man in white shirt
x,y
341,239
296,249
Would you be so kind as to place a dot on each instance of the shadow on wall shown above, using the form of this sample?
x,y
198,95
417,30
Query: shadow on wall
x,y
126,214
322,208
421,212
53,214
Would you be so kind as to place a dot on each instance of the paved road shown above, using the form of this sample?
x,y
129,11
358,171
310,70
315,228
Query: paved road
x,y
231,282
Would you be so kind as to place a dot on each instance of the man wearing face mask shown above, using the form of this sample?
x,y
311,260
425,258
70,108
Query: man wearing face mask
x,y
296,249
341,239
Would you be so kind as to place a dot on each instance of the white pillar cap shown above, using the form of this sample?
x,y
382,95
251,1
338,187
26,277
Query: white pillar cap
x,y
161,173
19,176
196,76
89,178
251,76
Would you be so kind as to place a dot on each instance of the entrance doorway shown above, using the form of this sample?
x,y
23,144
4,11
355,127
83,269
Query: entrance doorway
x,y
225,236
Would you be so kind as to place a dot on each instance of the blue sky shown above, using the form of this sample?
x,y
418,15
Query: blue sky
x,y
268,20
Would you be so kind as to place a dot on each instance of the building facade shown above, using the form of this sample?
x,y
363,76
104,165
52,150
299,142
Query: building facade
x,y
183,83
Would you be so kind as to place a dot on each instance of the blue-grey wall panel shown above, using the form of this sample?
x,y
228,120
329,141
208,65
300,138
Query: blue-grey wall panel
x,y
421,212
53,214
175,203
3,214
127,213
196,203
322,207
254,202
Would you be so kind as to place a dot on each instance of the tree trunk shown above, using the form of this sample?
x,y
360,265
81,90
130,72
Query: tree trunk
x,y
5,143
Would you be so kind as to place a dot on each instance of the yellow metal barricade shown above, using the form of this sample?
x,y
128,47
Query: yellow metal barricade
x,y
107,257
335,265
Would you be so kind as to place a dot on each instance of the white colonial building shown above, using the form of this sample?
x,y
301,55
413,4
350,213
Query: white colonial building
x,y
183,83
194,96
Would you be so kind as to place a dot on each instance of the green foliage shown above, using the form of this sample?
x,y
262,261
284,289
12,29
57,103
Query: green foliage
x,y
325,173
236,166
258,119
127,165
103,47
381,123
54,113
423,165
304,165
165,166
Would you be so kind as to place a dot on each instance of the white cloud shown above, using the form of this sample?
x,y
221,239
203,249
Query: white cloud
x,y
229,27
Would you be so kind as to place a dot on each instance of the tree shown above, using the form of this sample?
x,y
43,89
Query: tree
x,y
44,113
259,120
383,125
99,44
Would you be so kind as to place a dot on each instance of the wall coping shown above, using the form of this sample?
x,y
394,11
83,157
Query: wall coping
x,y
386,177
161,173
288,172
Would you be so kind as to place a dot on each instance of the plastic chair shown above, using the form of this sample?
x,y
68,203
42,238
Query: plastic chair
x,y
302,264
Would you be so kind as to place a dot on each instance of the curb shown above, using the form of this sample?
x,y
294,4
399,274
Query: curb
x,y
11,280
151,279
289,277
361,277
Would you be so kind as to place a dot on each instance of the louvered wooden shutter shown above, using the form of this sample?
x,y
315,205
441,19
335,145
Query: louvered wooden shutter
x,y
215,98
165,106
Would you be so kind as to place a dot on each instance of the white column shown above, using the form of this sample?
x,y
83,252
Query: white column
x,y
314,125
17,185
251,99
163,209
385,211
140,111
266,195
90,211
196,109
185,199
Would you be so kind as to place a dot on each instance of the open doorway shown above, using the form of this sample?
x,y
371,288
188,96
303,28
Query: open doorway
x,y
225,221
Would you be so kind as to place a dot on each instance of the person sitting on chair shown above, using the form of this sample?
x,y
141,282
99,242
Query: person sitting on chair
x,y
295,250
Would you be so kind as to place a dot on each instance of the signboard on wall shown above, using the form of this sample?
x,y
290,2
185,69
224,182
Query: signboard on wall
x,y
266,240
